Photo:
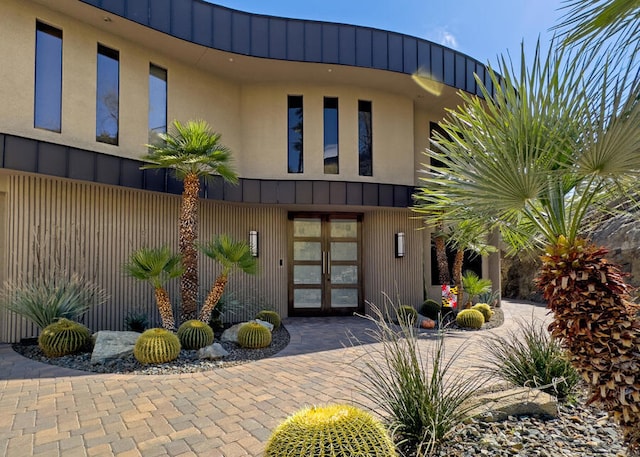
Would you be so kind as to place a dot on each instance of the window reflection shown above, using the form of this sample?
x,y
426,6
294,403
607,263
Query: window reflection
x,y
365,139
295,130
331,165
157,103
48,86
107,95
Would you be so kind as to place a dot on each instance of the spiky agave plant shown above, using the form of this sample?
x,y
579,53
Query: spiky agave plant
x,y
232,256
547,143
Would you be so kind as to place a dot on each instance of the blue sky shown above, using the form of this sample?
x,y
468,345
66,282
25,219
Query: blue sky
x,y
481,29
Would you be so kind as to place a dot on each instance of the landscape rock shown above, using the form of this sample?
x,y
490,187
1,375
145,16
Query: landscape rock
x,y
231,334
110,345
214,351
519,401
266,324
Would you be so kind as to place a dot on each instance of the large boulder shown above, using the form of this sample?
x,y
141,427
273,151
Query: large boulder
x,y
214,351
110,345
518,401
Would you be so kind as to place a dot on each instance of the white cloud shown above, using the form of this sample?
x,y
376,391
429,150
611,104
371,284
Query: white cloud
x,y
444,37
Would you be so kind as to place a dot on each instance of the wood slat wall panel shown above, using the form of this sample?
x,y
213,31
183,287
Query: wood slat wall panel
x,y
91,229
401,279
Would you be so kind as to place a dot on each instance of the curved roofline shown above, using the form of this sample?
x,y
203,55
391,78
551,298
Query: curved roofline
x,y
299,40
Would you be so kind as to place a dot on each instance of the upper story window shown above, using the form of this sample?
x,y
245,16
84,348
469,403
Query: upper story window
x,y
48,86
295,129
107,95
157,103
331,153
365,139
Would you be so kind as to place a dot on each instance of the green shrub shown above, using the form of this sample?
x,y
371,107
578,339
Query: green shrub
x,y
195,334
470,318
431,309
156,345
254,336
45,300
406,314
63,337
330,431
485,309
529,357
419,397
270,316
136,321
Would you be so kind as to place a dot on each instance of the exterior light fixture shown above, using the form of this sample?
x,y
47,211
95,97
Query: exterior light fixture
x,y
253,243
399,237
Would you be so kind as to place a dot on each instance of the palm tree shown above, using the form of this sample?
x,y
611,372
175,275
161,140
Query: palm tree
x,y
232,256
193,150
474,285
530,158
599,21
157,266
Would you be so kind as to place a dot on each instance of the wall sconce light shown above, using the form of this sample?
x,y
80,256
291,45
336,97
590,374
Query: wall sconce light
x,y
253,243
399,244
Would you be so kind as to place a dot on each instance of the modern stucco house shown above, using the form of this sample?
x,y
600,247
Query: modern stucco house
x,y
325,122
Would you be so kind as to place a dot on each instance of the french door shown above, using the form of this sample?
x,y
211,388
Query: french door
x,y
325,274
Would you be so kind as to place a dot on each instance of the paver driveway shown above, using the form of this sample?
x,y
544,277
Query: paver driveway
x,y
49,411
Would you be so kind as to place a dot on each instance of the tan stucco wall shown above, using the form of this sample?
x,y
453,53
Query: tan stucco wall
x,y
264,109
251,117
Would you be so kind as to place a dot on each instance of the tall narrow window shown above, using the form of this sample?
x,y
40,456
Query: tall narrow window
x,y
48,88
295,124
107,95
331,165
365,139
157,103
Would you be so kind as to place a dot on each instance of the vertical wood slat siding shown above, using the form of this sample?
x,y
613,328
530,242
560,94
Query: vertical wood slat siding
x,y
91,229
401,279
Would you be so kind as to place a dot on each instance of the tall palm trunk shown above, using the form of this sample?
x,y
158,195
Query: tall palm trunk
x,y
441,258
165,309
457,275
597,324
213,297
188,235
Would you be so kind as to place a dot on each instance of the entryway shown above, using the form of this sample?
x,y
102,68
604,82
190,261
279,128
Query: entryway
x,y
325,274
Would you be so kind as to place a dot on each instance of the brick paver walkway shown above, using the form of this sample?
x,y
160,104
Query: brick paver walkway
x,y
49,411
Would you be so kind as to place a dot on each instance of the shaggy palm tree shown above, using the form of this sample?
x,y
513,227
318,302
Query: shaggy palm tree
x,y
157,266
474,286
194,151
232,256
543,146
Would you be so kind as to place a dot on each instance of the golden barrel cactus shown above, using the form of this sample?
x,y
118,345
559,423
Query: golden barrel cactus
x,y
195,334
270,316
254,336
156,345
330,431
470,318
63,337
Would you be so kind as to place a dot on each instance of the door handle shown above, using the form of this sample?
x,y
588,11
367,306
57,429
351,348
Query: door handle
x,y
324,264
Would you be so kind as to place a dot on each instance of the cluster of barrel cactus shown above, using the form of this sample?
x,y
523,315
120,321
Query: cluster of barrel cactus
x,y
485,309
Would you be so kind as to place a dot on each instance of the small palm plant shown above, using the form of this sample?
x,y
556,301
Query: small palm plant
x,y
232,256
474,286
194,151
157,266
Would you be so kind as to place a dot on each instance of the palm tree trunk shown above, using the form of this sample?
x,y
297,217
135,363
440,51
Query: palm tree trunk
x,y
213,298
165,309
188,235
457,275
443,263
597,324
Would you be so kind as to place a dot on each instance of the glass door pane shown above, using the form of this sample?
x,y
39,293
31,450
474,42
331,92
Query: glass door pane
x,y
308,268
